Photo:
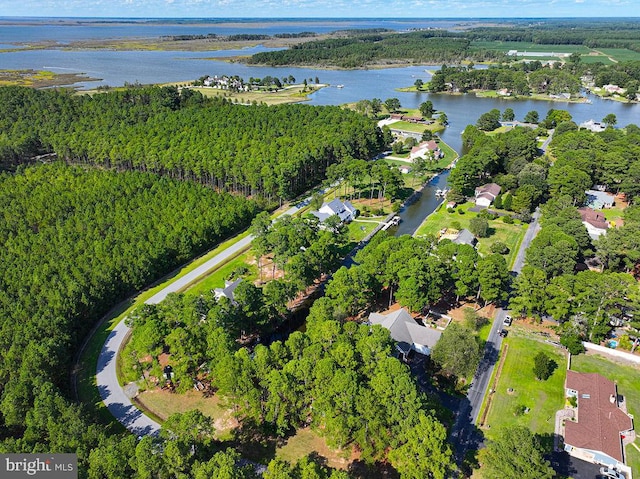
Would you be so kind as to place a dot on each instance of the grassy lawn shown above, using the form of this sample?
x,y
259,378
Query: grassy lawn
x,y
511,235
305,442
620,54
612,214
626,378
292,94
164,404
217,277
358,229
529,47
543,398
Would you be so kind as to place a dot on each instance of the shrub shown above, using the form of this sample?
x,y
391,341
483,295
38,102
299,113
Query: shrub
x,y
479,227
507,219
543,366
500,248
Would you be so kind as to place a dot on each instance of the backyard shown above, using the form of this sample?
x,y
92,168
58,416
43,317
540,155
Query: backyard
x,y
460,218
517,388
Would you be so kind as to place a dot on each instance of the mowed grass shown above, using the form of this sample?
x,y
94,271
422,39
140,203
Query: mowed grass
x,y
305,442
292,94
164,404
620,54
217,277
530,47
543,398
628,381
511,235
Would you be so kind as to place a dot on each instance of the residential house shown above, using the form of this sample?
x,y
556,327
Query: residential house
x,y
595,222
465,237
599,199
613,89
407,332
593,126
227,291
600,423
426,148
344,210
404,169
486,194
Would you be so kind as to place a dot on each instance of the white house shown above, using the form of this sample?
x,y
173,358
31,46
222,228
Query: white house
x,y
593,126
406,332
344,210
486,194
426,148
227,291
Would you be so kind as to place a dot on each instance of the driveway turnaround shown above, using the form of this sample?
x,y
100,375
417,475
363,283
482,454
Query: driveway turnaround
x,y
113,395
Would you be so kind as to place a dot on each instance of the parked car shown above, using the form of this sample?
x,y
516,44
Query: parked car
x,y
507,320
612,473
503,333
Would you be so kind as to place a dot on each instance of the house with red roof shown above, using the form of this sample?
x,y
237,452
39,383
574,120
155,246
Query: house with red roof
x,y
600,422
594,221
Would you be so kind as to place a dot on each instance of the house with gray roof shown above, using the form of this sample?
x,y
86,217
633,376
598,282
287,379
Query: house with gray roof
x,y
597,200
465,237
407,333
344,210
486,194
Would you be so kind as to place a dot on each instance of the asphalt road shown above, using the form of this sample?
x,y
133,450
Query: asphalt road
x,y
113,395
464,432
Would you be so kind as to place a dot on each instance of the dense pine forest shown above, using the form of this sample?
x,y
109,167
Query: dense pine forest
x,y
75,242
273,152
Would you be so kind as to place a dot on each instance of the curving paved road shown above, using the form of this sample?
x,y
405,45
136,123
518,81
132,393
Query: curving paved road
x,y
113,395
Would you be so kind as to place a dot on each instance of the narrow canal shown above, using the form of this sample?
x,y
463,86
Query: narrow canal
x,y
414,214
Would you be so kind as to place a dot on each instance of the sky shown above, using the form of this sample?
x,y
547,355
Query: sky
x,y
322,8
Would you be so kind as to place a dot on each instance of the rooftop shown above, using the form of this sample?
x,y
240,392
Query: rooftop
x,y
600,421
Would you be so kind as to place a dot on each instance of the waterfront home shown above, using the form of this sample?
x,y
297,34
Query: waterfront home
x,y
426,148
344,210
408,334
486,194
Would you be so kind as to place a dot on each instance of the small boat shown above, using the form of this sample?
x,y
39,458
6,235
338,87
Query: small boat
x,y
339,86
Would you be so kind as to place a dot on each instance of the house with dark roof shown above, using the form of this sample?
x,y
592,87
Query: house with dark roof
x,y
600,423
486,194
344,210
594,221
407,333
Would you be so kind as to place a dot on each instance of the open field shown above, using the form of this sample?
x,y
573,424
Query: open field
x,y
164,404
511,235
543,398
620,54
292,94
626,377
305,442
530,47
40,78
